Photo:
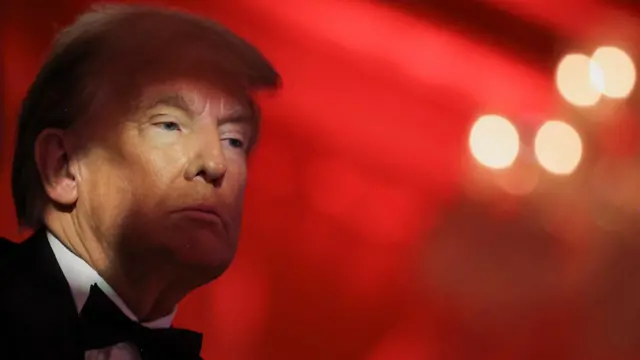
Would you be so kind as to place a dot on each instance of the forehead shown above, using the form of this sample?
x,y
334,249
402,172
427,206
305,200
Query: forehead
x,y
194,97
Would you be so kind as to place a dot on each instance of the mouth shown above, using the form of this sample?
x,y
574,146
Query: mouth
x,y
202,213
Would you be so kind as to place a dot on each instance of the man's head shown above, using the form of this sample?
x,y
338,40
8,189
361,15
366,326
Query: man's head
x,y
137,130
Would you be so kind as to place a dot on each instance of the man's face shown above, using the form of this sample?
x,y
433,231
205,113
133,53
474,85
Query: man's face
x,y
167,182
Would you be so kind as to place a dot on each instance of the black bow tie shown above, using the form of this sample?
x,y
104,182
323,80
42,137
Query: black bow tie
x,y
104,325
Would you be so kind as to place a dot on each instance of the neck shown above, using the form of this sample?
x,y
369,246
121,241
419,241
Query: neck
x,y
149,291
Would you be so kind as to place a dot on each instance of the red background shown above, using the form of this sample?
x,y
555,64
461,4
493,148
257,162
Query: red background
x,y
358,154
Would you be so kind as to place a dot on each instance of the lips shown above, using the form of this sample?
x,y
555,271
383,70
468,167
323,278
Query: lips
x,y
204,213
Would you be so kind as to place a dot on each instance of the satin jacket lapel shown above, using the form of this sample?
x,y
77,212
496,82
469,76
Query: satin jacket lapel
x,y
44,310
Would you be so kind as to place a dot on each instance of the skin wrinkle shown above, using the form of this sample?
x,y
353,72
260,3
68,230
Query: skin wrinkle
x,y
131,176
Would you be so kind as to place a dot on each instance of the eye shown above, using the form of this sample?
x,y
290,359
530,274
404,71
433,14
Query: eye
x,y
235,143
168,126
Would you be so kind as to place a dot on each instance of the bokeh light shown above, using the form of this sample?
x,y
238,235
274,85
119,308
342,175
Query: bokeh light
x,y
574,80
618,72
558,147
494,142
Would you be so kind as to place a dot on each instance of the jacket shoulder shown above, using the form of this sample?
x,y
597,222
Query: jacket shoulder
x,y
6,246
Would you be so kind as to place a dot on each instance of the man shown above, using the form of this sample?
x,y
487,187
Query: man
x,y
130,167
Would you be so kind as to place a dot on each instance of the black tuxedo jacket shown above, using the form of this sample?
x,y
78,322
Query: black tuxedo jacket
x,y
38,316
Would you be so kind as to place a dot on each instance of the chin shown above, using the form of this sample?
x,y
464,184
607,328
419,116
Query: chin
x,y
209,256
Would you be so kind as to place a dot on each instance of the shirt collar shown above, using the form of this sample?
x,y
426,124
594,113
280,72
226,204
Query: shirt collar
x,y
81,276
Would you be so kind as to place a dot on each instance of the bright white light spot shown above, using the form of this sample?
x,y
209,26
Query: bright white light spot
x,y
573,79
597,76
494,142
618,72
558,147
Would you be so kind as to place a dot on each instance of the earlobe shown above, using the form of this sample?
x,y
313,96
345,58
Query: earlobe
x,y
56,172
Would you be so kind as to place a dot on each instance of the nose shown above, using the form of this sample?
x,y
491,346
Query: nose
x,y
208,163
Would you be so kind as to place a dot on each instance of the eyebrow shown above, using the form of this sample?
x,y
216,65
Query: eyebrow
x,y
176,101
241,116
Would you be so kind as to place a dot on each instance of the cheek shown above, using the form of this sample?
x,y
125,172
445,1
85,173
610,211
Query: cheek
x,y
237,170
158,170
242,178
154,157
153,174
236,181
105,191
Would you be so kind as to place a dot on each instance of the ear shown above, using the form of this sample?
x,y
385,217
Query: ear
x,y
52,159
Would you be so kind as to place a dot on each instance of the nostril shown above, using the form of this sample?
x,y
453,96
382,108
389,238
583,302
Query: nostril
x,y
213,178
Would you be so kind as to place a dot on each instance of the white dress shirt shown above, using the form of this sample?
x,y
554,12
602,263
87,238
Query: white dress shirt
x,y
80,277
